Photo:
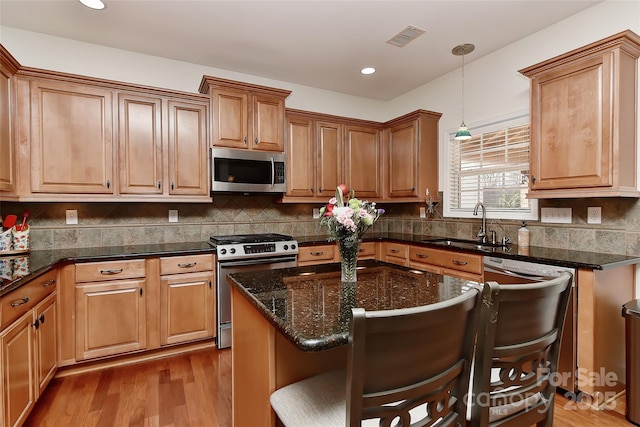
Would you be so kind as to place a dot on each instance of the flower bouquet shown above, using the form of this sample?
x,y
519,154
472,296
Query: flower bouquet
x,y
347,219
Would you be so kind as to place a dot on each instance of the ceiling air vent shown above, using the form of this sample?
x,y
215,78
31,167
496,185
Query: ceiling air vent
x,y
405,36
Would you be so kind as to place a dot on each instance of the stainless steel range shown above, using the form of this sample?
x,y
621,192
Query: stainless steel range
x,y
245,252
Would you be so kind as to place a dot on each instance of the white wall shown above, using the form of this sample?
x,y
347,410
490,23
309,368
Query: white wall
x,y
493,86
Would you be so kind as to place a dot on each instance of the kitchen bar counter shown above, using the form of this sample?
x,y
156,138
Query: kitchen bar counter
x,y
311,307
292,323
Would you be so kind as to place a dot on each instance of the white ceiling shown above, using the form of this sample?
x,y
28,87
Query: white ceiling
x,y
322,44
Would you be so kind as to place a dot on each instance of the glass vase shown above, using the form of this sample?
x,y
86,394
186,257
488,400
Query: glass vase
x,y
348,259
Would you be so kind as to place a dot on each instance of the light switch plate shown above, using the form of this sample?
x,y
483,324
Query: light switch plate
x,y
72,216
556,215
594,215
173,215
423,212
316,213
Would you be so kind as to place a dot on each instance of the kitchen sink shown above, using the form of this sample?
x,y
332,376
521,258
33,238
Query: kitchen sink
x,y
461,243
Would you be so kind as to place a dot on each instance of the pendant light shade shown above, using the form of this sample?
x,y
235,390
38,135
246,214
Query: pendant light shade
x,y
463,133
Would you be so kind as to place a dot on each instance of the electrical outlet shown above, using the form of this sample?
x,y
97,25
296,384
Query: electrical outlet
x,y
594,215
72,216
316,213
173,215
556,215
423,212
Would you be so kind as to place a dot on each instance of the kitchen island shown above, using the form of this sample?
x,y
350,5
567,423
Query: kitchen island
x,y
292,323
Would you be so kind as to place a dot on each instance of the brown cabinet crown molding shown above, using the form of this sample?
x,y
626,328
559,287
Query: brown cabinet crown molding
x,y
7,60
210,82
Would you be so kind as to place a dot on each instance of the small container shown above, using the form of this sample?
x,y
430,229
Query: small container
x,y
523,235
6,240
21,239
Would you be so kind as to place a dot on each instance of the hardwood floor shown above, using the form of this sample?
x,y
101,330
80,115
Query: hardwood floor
x,y
194,390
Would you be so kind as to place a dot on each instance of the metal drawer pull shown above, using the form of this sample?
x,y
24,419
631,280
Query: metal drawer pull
x,y
187,264
422,255
361,250
107,272
20,301
49,283
395,251
456,262
317,253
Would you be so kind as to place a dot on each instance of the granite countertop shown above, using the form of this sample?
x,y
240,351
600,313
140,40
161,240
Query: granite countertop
x,y
15,270
311,307
550,256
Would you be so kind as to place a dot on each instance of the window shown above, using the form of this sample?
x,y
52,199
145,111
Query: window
x,y
493,168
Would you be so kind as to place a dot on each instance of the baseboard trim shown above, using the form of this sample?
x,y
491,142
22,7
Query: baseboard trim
x,y
132,358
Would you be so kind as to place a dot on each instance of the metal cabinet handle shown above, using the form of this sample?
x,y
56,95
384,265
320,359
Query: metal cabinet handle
x,y
173,186
159,185
256,140
41,318
456,262
108,184
422,255
395,251
20,301
108,272
245,139
361,250
36,324
320,189
49,283
187,264
316,253
533,179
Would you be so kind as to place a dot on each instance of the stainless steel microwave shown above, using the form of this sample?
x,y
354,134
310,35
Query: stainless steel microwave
x,y
240,171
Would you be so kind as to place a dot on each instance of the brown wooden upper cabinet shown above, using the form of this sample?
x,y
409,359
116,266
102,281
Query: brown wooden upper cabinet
x,y
96,140
584,121
394,161
8,67
410,153
244,115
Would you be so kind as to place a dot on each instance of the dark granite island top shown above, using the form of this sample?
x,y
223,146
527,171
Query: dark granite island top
x,y
310,306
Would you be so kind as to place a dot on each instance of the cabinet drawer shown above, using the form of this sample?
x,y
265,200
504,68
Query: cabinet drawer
x,y
186,264
395,253
110,270
312,254
448,259
16,303
367,250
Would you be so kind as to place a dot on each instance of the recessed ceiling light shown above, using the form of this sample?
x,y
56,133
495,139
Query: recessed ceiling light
x,y
93,4
368,70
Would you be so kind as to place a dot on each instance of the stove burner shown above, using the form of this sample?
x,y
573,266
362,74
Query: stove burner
x,y
249,238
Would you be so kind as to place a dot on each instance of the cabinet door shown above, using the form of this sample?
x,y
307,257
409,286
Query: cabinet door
x,y
230,118
300,157
362,161
188,172
71,138
402,160
330,155
268,123
571,145
18,388
45,323
187,302
110,318
140,144
7,155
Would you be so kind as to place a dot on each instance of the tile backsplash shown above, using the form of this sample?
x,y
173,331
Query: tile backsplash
x,y
115,224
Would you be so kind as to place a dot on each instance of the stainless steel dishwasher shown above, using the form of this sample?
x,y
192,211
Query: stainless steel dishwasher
x,y
509,271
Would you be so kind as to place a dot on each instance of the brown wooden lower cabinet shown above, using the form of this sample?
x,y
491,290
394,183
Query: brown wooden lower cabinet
x,y
110,318
28,350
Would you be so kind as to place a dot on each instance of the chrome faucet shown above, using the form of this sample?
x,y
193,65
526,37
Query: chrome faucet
x,y
482,233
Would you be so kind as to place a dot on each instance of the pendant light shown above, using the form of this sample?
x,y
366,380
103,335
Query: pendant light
x,y
463,133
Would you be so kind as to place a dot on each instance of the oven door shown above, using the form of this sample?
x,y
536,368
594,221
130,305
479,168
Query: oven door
x,y
568,359
223,289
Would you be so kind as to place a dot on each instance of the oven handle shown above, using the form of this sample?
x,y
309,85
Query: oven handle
x,y
514,274
257,261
